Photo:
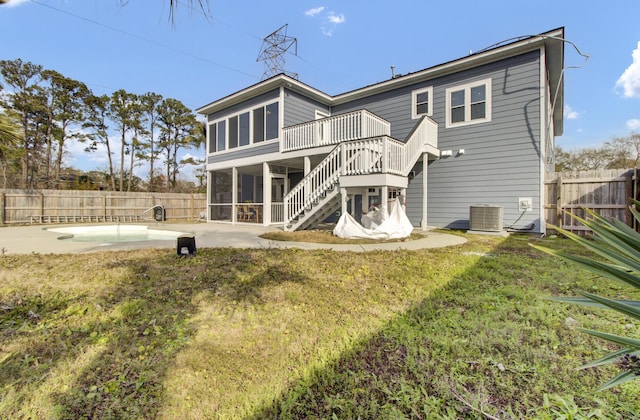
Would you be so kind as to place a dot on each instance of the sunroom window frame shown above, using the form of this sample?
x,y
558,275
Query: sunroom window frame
x,y
237,114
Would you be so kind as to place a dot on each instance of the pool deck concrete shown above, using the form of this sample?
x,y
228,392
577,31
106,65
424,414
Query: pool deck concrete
x,y
36,239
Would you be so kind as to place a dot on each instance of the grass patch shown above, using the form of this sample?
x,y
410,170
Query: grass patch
x,y
272,333
326,236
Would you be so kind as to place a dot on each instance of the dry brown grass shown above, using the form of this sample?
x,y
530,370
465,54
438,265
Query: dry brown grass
x,y
325,236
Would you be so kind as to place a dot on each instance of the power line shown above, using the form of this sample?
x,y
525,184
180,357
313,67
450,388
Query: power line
x,y
167,47
258,38
138,37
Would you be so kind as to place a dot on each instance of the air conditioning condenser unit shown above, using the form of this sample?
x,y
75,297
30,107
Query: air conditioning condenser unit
x,y
485,217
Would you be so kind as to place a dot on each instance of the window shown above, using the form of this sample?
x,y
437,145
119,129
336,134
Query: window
x,y
222,135
258,125
272,121
422,102
469,104
212,138
246,128
233,132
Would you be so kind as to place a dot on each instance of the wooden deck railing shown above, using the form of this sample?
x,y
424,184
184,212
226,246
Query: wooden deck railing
x,y
334,130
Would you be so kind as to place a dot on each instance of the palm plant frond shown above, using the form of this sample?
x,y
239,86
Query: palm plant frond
x,y
623,377
618,245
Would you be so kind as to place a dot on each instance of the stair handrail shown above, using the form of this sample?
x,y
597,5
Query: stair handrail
x,y
313,185
381,154
424,133
356,157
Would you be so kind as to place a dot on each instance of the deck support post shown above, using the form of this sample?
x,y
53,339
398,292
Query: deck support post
x,y
234,196
345,199
365,201
425,166
266,194
384,198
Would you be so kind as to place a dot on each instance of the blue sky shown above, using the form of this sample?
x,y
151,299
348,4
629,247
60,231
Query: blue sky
x,y
342,45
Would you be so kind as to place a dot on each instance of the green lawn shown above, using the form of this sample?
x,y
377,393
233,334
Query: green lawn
x,y
270,333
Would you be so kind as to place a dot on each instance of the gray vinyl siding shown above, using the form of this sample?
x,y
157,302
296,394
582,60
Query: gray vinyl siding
x,y
273,95
414,196
299,109
393,106
502,158
270,146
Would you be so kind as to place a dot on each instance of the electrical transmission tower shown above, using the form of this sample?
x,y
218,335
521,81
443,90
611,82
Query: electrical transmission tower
x,y
274,47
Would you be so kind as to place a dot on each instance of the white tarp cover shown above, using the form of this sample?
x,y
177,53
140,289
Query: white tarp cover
x,y
377,224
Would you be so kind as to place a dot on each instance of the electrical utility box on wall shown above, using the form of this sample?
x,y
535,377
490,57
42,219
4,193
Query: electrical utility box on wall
x,y
485,217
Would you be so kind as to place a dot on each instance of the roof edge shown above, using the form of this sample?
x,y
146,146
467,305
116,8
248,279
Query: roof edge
x,y
553,40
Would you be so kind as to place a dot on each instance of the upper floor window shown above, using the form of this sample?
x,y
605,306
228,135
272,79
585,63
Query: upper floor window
x,y
222,136
468,104
248,127
271,129
422,102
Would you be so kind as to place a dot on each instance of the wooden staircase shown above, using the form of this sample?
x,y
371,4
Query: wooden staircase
x,y
317,196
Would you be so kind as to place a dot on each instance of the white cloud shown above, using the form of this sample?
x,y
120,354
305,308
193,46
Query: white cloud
x,y
314,11
630,79
336,19
570,114
330,20
15,3
633,124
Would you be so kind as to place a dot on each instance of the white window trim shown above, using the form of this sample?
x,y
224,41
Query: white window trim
x,y
237,114
414,102
467,103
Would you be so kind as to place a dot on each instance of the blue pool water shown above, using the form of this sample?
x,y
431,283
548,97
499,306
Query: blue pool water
x,y
114,233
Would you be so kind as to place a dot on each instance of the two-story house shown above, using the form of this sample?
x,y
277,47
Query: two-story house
x,y
471,132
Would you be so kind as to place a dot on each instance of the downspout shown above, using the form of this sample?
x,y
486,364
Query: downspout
x,y
544,133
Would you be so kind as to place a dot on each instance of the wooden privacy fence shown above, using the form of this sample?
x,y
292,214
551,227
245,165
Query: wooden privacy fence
x,y
607,192
52,206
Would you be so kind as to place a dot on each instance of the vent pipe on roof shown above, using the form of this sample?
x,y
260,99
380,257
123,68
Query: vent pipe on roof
x,y
393,71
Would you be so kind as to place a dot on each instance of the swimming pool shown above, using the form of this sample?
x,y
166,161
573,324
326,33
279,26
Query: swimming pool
x,y
114,233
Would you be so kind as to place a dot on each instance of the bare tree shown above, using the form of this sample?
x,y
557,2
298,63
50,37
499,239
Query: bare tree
x,y
618,153
624,152
98,122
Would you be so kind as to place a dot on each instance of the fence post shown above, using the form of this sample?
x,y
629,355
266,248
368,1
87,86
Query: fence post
x,y
2,208
635,196
629,193
559,216
41,205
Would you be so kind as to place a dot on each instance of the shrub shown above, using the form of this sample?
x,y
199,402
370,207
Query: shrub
x,y
618,245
